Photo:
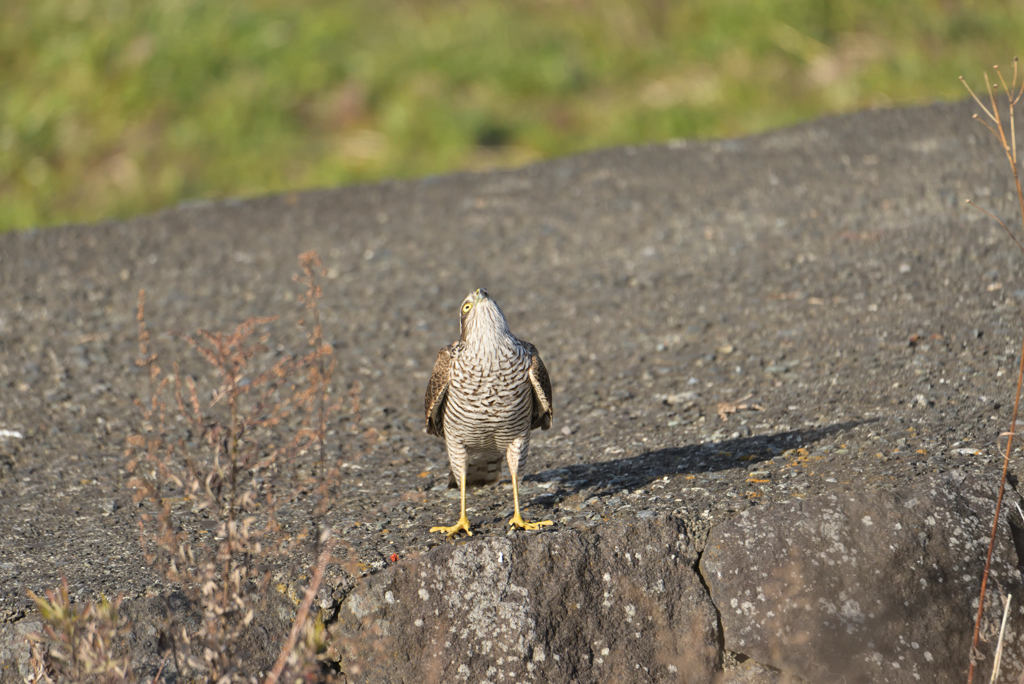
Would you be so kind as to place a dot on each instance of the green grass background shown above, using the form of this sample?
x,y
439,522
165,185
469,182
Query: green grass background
x,y
110,108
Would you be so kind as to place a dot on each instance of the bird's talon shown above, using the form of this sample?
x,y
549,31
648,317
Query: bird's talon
x,y
518,521
462,525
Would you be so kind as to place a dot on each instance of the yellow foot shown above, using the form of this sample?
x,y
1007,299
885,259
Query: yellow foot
x,y
463,524
518,521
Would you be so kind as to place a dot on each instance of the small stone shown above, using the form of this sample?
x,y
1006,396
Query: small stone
x,y
681,398
57,395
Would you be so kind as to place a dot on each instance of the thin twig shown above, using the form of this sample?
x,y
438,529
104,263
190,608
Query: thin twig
x,y
1009,95
156,678
300,618
990,129
999,503
977,99
999,644
991,216
1020,92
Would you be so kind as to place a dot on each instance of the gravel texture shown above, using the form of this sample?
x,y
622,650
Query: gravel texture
x,y
827,277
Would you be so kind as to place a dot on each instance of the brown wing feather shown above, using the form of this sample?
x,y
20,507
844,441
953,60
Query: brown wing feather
x,y
437,390
543,408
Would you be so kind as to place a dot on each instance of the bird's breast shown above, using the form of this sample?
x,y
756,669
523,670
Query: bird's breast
x,y
489,393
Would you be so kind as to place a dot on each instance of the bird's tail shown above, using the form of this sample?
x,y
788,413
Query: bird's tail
x,y
478,473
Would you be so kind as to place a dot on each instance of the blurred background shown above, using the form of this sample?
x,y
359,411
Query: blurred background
x,y
110,108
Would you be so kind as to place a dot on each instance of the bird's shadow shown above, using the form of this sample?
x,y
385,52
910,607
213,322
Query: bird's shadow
x,y
608,478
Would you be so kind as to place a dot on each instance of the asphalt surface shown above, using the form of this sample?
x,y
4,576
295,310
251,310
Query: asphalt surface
x,y
828,277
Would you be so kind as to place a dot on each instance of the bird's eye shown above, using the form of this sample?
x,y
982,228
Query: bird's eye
x,y
466,307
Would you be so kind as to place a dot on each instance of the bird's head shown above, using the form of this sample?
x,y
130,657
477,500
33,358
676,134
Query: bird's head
x,y
481,315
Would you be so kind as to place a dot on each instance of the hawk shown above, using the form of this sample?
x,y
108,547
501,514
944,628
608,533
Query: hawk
x,y
488,390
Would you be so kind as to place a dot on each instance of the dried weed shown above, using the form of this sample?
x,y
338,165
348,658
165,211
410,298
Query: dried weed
x,y
207,466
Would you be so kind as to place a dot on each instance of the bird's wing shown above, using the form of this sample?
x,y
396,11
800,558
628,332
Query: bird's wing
x,y
543,410
437,390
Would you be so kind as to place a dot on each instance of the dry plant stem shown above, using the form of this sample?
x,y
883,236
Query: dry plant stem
x,y
999,645
300,618
994,218
998,129
999,504
1009,146
163,661
311,266
318,343
233,457
213,460
321,373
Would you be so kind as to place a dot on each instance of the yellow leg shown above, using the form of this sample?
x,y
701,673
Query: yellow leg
x,y
463,523
517,519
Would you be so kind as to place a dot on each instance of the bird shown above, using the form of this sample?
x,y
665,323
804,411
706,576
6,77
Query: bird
x,y
488,391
